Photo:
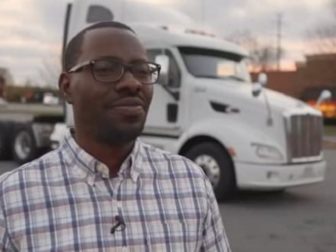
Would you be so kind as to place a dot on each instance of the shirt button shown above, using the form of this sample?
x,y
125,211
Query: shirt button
x,y
103,170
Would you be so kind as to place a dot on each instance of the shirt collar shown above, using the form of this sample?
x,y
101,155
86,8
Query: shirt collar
x,y
131,167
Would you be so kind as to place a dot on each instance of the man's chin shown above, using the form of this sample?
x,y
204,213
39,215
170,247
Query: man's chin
x,y
120,136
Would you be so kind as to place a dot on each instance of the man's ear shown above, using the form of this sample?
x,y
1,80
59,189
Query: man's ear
x,y
65,87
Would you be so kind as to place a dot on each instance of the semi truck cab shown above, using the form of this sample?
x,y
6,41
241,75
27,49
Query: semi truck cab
x,y
206,108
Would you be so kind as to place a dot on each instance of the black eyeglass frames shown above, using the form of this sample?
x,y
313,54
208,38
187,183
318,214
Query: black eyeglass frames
x,y
112,70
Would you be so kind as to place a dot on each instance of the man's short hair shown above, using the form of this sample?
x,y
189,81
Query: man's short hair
x,y
72,50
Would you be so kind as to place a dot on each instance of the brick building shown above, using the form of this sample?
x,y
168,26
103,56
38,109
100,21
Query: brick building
x,y
310,77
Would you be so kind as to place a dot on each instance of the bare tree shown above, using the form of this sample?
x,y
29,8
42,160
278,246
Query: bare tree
x,y
49,71
324,35
263,57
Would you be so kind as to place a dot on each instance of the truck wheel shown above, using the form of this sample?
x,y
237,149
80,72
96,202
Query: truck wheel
x,y
4,147
217,165
24,146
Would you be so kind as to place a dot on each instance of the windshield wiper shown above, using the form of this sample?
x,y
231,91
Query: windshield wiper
x,y
208,76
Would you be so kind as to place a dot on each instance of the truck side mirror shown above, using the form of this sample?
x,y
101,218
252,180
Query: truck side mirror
x,y
99,13
258,86
325,95
163,61
256,89
262,79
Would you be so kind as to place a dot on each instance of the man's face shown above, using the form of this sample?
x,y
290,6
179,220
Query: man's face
x,y
113,113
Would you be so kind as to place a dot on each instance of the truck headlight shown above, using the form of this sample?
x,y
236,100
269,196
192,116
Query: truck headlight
x,y
268,152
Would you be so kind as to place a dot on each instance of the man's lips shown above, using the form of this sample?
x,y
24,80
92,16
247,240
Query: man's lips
x,y
127,107
126,102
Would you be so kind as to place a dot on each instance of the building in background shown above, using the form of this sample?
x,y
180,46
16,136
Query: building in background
x,y
317,73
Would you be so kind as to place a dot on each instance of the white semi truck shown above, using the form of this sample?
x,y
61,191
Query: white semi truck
x,y
206,108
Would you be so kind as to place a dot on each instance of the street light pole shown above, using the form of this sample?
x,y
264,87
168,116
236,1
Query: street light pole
x,y
279,38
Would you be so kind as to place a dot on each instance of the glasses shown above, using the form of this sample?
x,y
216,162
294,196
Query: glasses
x,y
112,70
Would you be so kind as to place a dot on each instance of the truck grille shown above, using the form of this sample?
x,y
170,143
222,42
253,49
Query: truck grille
x,y
304,136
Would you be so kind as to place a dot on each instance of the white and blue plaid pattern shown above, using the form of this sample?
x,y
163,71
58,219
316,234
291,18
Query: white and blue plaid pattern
x,y
66,201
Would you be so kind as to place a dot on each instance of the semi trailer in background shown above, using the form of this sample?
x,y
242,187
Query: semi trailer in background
x,y
25,129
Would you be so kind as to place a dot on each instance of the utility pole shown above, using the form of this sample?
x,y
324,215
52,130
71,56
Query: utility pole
x,y
279,38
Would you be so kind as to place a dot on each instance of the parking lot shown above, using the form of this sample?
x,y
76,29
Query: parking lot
x,y
300,219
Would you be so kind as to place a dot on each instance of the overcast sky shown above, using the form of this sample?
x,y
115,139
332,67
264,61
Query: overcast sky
x,y
31,30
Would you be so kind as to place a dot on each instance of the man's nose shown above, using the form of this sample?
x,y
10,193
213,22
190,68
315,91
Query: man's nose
x,y
129,82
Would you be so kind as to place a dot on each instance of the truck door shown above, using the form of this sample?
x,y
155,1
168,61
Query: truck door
x,y
164,117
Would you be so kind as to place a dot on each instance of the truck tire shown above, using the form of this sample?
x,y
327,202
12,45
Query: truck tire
x,y
5,151
2,145
24,146
217,165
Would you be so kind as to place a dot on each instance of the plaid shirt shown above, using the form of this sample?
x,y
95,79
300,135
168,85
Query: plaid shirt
x,y
66,201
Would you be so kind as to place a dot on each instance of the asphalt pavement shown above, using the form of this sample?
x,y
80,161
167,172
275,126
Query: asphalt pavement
x,y
301,219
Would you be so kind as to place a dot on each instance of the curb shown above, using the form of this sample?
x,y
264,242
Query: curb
x,y
329,144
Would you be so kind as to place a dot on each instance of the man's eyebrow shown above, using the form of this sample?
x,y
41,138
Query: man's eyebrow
x,y
114,58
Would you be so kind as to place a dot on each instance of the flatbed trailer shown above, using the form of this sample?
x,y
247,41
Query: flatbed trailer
x,y
25,129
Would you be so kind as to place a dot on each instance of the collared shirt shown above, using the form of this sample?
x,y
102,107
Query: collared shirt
x,y
66,201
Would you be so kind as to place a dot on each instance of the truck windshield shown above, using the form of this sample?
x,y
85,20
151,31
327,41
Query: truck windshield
x,y
205,63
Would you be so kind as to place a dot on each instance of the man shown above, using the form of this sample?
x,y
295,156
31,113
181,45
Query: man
x,y
104,190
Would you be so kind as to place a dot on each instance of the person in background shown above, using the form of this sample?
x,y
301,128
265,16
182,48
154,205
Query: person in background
x,y
104,189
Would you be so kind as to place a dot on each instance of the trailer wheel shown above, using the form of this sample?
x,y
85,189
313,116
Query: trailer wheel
x,y
2,146
217,165
24,146
5,152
